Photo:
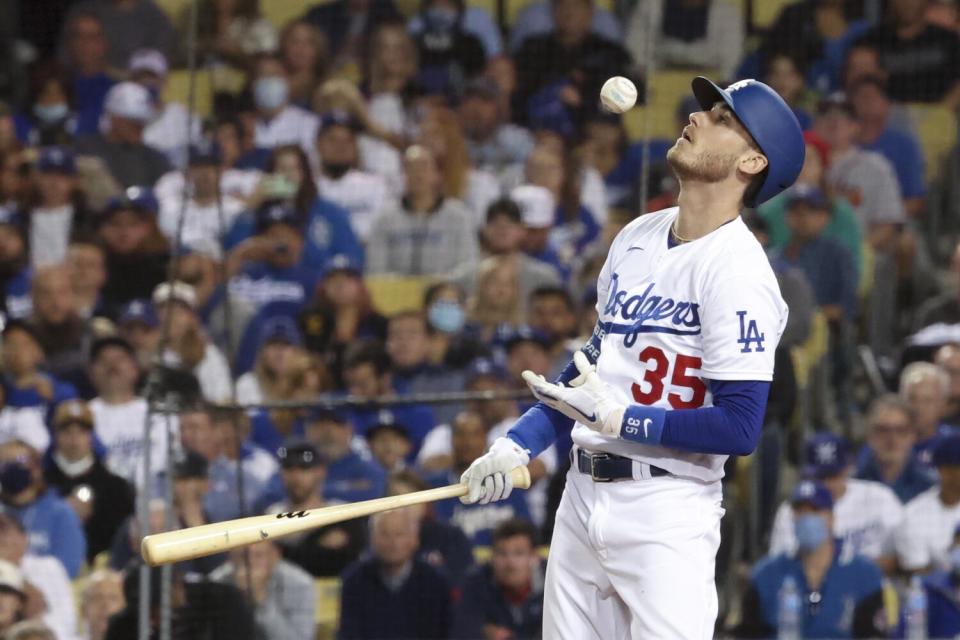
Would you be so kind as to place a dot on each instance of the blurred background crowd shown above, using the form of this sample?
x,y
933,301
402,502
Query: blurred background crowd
x,y
266,256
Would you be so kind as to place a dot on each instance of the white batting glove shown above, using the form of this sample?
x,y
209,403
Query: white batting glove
x,y
587,400
489,475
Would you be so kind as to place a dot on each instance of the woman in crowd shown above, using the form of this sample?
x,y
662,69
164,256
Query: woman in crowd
x,y
496,300
57,208
48,117
440,132
277,353
231,30
303,380
303,48
453,341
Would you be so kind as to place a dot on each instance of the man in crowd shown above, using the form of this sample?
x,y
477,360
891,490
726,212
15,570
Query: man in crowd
x,y
102,597
26,383
13,596
278,121
925,388
341,180
469,439
493,144
282,593
52,526
426,233
101,499
128,109
85,48
552,311
119,414
64,335
350,477
840,595
393,593
202,435
86,262
504,597
324,551
43,572
866,515
924,539
889,456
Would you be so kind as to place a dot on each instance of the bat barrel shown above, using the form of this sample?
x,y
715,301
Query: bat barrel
x,y
218,537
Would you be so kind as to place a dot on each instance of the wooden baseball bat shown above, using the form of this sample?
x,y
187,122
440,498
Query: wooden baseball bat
x,y
217,537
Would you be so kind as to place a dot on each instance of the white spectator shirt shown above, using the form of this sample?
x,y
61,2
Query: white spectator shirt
x,y
50,234
361,193
47,574
292,125
171,131
202,226
248,389
865,519
120,429
213,372
926,536
235,183
438,442
483,188
25,424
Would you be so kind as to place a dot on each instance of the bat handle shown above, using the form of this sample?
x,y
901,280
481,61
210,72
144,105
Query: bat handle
x,y
521,477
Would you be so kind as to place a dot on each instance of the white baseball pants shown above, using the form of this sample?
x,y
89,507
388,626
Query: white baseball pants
x,y
633,559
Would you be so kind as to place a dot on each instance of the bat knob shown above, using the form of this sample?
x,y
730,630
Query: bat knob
x,y
520,477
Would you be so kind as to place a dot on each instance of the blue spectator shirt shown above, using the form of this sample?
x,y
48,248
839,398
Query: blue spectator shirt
x,y
913,480
475,21
830,269
17,296
624,179
89,93
352,479
222,501
260,284
53,529
484,602
847,584
537,19
477,521
264,433
943,605
904,153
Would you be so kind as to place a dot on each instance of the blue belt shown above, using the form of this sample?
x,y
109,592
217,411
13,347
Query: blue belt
x,y
607,467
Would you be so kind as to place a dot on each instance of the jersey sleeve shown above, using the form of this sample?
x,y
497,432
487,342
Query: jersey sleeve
x,y
743,318
781,537
913,552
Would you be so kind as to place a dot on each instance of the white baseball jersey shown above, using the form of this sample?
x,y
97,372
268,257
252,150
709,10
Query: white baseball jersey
x,y
864,518
926,536
673,319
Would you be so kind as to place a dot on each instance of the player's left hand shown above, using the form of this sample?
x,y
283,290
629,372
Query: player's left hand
x,y
587,400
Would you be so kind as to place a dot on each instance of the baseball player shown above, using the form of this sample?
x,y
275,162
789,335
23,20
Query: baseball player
x,y
674,379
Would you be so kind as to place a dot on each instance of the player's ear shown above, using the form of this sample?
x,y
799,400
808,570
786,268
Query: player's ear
x,y
752,163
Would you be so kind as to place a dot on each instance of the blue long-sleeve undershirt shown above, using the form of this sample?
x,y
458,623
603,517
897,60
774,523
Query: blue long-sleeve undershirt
x,y
730,427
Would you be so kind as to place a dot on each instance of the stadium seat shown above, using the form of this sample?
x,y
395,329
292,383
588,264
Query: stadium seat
x,y
514,7
173,7
327,606
765,13
937,129
178,90
657,119
393,294
280,12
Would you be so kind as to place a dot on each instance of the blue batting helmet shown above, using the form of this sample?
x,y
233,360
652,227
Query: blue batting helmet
x,y
770,122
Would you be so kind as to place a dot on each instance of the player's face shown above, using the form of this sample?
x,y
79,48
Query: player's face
x,y
712,147
513,561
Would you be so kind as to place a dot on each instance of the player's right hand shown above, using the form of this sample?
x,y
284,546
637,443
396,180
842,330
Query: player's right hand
x,y
488,477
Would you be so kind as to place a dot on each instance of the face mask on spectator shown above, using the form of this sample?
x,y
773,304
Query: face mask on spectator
x,y
15,476
270,92
811,531
446,316
50,113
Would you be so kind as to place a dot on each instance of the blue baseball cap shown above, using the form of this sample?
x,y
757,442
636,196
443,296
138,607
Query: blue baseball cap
x,y
278,213
946,451
56,160
141,311
509,337
340,415
280,329
387,421
136,198
204,152
485,368
338,118
812,493
340,262
808,194
10,217
827,455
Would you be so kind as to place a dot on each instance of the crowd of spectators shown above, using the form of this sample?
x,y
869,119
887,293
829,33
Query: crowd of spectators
x,y
244,254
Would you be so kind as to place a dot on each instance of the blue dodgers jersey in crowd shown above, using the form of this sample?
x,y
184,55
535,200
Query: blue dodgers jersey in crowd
x,y
262,284
53,529
352,479
19,301
912,481
904,153
849,581
477,521
943,606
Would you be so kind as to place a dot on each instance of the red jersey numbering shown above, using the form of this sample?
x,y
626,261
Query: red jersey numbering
x,y
680,380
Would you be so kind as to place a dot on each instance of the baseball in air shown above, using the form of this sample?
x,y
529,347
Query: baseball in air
x,y
618,94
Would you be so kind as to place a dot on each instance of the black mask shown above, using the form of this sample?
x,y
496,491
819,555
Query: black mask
x,y
336,170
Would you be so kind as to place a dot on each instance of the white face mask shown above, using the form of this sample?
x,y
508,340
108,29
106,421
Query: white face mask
x,y
270,92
